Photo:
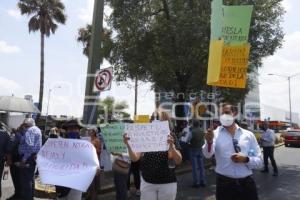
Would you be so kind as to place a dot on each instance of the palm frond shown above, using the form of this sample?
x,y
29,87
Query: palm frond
x,y
46,13
34,24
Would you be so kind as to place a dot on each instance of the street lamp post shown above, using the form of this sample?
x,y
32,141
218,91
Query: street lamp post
x,y
49,95
289,82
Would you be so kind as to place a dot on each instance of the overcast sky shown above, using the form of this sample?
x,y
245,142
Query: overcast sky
x,y
66,66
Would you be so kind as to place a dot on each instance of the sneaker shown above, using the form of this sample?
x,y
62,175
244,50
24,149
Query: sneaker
x,y
275,174
138,193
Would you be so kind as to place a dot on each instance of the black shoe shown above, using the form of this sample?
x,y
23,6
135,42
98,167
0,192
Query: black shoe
x,y
275,174
264,171
202,185
14,197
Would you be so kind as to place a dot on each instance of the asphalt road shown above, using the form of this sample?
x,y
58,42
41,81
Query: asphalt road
x,y
284,187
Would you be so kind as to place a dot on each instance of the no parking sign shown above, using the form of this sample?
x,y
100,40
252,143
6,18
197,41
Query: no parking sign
x,y
103,79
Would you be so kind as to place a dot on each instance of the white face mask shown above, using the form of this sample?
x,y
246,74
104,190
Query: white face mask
x,y
226,120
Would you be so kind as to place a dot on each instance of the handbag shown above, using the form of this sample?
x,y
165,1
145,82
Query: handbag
x,y
121,166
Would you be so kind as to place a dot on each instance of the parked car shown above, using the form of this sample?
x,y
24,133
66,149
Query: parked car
x,y
292,137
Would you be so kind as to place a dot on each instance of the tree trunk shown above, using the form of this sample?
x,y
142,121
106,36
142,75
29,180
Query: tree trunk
x,y
135,95
41,92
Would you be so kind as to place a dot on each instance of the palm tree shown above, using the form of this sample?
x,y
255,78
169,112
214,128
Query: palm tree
x,y
85,35
45,15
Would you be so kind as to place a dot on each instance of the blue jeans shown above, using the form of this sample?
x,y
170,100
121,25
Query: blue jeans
x,y
197,166
121,185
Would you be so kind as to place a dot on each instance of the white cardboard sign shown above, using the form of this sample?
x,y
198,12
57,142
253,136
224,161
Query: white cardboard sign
x,y
148,137
68,162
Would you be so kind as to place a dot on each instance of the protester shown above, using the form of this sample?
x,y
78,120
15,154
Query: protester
x,y
268,142
14,169
135,170
5,150
30,144
72,128
183,141
237,153
93,189
53,133
121,165
158,179
196,141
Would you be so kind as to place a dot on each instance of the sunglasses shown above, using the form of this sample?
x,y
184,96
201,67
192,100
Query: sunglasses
x,y
236,146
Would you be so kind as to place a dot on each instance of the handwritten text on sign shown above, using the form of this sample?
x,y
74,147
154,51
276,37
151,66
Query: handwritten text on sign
x,y
148,137
234,66
67,162
113,137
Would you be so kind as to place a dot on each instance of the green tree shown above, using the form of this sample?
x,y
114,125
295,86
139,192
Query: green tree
x,y
168,41
45,15
112,109
84,36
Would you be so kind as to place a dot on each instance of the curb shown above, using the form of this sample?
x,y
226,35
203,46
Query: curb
x,y
110,188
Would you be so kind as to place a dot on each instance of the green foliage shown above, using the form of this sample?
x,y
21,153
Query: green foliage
x,y
45,14
167,41
85,35
113,109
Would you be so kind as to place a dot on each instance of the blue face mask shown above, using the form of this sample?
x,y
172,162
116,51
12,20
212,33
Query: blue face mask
x,y
73,135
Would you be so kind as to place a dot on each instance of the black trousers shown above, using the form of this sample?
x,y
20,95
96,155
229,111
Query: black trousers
x,y
236,189
120,181
1,172
27,179
135,170
269,153
15,176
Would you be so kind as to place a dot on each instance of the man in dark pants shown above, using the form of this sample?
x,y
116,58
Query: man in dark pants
x,y
5,148
14,169
30,144
268,142
135,170
237,153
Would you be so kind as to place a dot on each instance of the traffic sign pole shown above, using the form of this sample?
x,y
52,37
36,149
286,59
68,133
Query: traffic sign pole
x,y
91,98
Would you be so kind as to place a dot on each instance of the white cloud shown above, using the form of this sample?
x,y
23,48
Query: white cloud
x,y
6,48
286,62
86,13
14,13
8,87
287,5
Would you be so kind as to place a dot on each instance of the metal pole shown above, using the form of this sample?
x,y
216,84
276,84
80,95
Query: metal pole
x,y
49,94
94,62
135,95
290,101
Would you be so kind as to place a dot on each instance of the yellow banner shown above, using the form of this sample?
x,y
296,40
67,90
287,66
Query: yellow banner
x,y
214,61
234,64
141,119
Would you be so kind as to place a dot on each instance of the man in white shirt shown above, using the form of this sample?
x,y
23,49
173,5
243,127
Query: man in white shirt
x,y
268,142
237,153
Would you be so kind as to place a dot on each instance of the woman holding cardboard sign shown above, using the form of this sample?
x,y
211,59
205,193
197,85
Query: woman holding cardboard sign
x,y
158,179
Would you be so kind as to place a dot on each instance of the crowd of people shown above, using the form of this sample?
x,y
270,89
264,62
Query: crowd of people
x,y
235,150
